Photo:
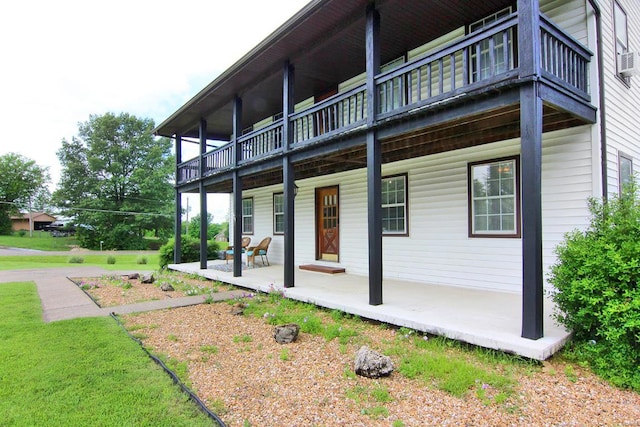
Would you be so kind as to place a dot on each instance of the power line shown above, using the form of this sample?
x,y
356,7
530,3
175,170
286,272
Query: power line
x,y
100,210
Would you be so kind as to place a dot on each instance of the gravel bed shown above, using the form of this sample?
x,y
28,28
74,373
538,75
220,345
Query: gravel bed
x,y
111,291
241,373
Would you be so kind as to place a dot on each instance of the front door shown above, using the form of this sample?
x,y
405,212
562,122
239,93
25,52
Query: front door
x,y
327,224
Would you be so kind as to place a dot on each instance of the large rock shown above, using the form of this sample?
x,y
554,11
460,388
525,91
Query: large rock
x,y
284,334
167,287
147,278
132,276
371,364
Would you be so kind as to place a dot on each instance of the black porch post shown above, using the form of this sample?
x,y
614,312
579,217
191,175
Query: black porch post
x,y
237,190
177,248
288,178
531,171
203,197
374,159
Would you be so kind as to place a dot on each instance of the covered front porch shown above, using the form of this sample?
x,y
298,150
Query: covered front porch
x,y
485,318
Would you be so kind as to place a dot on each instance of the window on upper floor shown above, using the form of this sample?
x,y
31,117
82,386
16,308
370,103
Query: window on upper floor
x,y
621,33
496,50
278,213
494,198
394,206
625,170
247,215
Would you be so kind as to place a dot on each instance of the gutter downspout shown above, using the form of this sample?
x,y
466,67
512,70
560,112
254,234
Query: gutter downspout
x,y
603,127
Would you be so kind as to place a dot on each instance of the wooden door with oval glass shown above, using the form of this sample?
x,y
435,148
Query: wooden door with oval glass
x,y
327,224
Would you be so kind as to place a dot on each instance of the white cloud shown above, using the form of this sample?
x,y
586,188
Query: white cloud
x,y
65,60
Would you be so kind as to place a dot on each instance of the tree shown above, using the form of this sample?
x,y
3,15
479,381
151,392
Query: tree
x,y
116,181
22,183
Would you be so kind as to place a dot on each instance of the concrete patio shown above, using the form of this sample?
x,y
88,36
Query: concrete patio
x,y
486,318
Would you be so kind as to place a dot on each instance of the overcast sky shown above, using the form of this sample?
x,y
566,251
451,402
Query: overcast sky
x,y
64,60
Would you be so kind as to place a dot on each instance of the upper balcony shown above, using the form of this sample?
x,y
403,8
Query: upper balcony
x,y
486,60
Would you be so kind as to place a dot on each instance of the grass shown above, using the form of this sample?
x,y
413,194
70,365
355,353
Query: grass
x,y
41,240
79,372
123,261
437,362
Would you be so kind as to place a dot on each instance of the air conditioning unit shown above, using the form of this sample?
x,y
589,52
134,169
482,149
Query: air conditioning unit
x,y
629,64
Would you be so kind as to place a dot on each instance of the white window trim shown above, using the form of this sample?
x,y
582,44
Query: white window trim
x,y
277,214
405,206
252,216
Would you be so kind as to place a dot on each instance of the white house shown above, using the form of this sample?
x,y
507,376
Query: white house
x,y
422,141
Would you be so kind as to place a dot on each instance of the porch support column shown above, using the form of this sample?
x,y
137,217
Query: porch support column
x,y
177,248
288,178
237,190
531,172
203,196
374,159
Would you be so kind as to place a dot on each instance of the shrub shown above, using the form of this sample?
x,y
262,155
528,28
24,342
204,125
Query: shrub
x,y
596,279
111,259
22,233
76,260
141,260
190,250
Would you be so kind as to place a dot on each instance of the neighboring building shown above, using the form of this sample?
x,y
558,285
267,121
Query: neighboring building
x,y
40,220
438,142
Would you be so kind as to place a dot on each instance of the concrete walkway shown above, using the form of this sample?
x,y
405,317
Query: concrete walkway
x,y
487,318
62,299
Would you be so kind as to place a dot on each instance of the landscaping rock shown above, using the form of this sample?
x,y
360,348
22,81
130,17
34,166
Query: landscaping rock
x,y
238,309
166,287
132,276
147,278
285,334
371,364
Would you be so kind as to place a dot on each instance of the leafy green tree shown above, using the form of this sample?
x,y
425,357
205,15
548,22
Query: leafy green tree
x,y
22,184
596,279
117,182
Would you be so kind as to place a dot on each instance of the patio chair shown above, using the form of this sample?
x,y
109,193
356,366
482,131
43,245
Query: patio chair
x,y
261,250
228,254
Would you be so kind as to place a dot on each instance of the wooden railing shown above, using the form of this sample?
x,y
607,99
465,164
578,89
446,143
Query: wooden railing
x,y
189,171
479,60
471,61
339,113
261,142
218,159
562,59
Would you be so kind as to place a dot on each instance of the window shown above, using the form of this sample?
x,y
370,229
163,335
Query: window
x,y
247,216
278,213
625,170
394,205
494,198
621,31
496,49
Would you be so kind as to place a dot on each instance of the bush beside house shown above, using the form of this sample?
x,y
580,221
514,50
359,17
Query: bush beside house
x,y
596,280
190,250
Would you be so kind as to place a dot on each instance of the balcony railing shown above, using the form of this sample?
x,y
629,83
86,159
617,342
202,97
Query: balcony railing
x,y
563,60
479,60
472,61
339,113
261,142
189,170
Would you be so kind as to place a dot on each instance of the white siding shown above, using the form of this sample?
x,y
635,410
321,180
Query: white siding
x,y
438,249
621,101
568,14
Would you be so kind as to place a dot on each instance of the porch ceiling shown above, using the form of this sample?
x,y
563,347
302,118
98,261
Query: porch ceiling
x,y
490,126
325,41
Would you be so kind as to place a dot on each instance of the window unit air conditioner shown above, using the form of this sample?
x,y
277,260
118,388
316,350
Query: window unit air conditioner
x,y
629,64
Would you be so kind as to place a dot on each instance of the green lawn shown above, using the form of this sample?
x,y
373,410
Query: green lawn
x,y
83,372
122,261
40,240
